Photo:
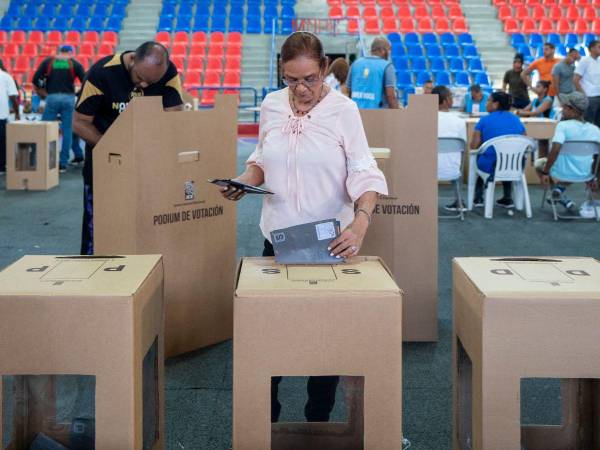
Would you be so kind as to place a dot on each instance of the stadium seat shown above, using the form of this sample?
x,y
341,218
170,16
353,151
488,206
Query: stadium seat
x,y
545,26
73,38
219,23
524,50
179,62
538,13
482,79
470,51
212,78
105,49
334,2
353,11
389,25
217,38
420,12
184,23
429,38
369,13
438,12
517,39
179,50
437,64
400,63
192,80
87,50
412,38
595,29
387,12
372,26
433,50
571,40
18,37
447,38
418,63
162,37
404,12
456,64
195,64
335,12
423,77
461,79
30,50
442,78
451,50
425,25
398,50
521,12
536,40
233,65
11,51
511,26
442,25
384,2
231,79
581,26
43,24
465,38
589,13
54,38
407,26
165,24
459,26
404,79
563,26
414,50
352,26
455,12
216,50
394,38
475,65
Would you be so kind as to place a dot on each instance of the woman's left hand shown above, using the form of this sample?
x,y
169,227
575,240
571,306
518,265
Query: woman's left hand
x,y
349,242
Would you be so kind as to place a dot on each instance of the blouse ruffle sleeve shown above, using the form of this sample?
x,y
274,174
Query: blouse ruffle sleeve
x,y
363,173
256,158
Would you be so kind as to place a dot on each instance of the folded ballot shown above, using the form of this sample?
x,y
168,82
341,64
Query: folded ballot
x,y
306,243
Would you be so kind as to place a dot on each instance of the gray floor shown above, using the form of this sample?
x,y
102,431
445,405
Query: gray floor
x,y
199,384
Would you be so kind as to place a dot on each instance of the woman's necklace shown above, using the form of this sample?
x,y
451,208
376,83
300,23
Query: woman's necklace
x,y
303,113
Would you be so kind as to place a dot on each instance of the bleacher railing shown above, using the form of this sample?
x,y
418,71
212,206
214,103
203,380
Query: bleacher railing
x,y
239,90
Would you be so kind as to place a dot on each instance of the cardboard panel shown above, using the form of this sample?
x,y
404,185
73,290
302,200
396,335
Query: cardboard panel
x,y
154,198
410,210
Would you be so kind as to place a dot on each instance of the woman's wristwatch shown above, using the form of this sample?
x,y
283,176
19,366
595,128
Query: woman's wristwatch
x,y
360,210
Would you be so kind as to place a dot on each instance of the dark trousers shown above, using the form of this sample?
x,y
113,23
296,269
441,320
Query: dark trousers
x,y
87,224
506,185
321,390
3,145
592,114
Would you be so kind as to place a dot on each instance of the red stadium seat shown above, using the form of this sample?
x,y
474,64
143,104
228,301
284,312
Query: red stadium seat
x,y
18,37
582,3
581,26
417,2
198,52
589,13
85,62
407,26
353,26
233,52
179,50
387,12
554,13
404,12
562,26
30,50
527,26
545,26
195,64
442,26
372,26
214,65
384,2
521,13
351,2
367,2
73,38
231,79
234,39
178,61
438,12
11,50
334,2
182,38
215,50
87,50
390,25
596,27
370,13
22,64
164,38
352,11
48,50
192,80
35,37
110,37
460,26
3,37
549,3
425,25
92,37
7,63
199,38
455,12
105,49
572,13
421,12
233,66
54,37
538,13
401,2
217,37
505,12
212,79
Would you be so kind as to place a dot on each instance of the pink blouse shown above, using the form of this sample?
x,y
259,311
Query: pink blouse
x,y
317,165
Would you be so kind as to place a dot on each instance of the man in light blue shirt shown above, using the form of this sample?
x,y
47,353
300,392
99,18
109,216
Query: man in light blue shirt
x,y
560,170
475,96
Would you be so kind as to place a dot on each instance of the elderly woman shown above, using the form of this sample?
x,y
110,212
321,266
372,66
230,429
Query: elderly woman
x,y
313,154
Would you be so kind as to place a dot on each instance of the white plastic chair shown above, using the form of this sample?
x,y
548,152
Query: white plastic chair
x,y
449,145
578,149
511,156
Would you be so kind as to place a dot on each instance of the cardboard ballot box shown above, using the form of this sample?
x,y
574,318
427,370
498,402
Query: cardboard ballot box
x,y
525,318
317,320
31,155
404,227
81,353
151,196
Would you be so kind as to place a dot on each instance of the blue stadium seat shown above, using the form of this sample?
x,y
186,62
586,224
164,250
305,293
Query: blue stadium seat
x,y
451,50
184,23
96,24
219,9
411,39
60,24
101,10
571,40
482,79
165,24
84,10
442,78
456,64
475,65
429,38
423,77
287,12
6,23
271,24
536,40
470,51
414,50
525,51
465,38
79,24
236,23
395,39
288,2
253,11
115,23
588,37
433,50
236,11
119,11
185,10
405,93
418,63
24,23
168,11
582,50
49,10
398,50
400,63
271,11
286,26
437,64
201,23
254,24
462,79
31,10
554,38
218,23
404,79
517,39
447,38
13,9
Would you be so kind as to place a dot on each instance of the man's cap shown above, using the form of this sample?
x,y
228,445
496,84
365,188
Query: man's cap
x,y
575,100
65,49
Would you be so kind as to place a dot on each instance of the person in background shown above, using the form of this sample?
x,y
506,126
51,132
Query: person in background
x,y
515,84
587,81
337,74
556,167
8,94
563,72
543,66
77,151
55,80
450,125
313,154
499,122
110,85
475,100
371,82
428,87
541,106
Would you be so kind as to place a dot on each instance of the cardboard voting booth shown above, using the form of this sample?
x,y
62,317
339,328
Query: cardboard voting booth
x,y
151,196
32,155
518,319
318,320
404,227
81,353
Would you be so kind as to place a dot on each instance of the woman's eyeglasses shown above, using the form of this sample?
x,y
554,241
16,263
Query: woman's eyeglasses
x,y
307,82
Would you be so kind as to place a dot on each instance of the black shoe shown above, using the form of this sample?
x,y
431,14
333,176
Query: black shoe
x,y
76,161
478,203
505,203
62,169
454,207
